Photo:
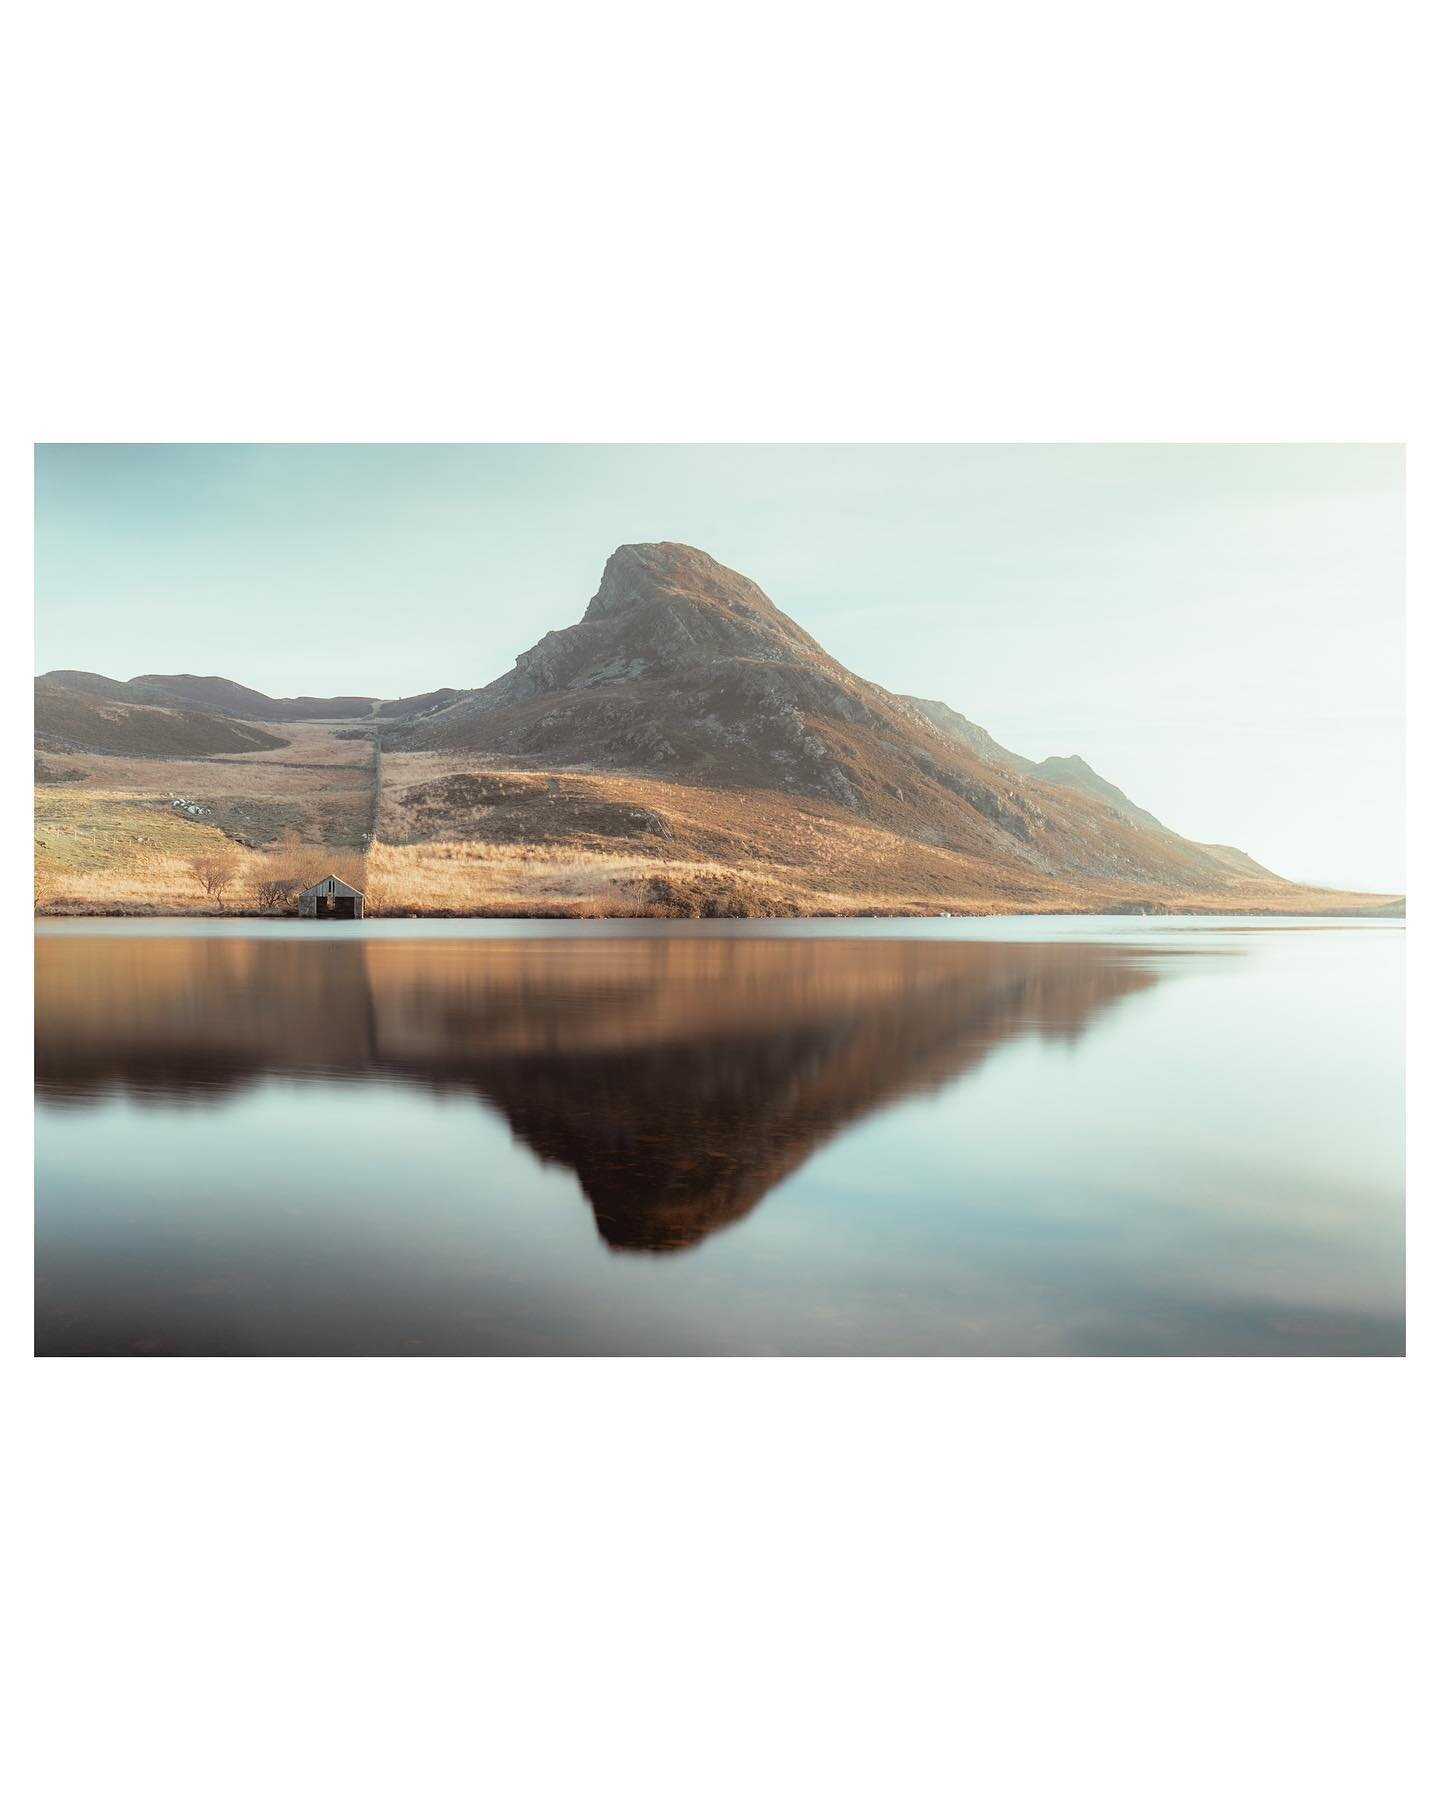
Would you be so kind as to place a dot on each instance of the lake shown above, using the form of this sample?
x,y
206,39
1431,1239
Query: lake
x,y
979,1137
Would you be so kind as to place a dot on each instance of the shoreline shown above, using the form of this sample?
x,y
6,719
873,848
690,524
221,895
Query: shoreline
x,y
1385,909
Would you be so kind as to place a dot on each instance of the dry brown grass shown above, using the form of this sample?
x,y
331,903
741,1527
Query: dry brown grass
x,y
107,831
465,877
468,878
454,877
170,867
134,777
141,885
527,841
311,746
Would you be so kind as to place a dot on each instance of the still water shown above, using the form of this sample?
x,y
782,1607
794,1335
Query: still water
x,y
972,1137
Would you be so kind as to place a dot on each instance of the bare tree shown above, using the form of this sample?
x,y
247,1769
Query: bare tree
x,y
277,888
216,873
279,878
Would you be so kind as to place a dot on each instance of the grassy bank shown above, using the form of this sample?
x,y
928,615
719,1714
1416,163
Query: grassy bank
x,y
238,836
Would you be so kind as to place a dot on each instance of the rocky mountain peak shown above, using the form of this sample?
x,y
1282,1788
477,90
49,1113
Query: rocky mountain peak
x,y
653,579
637,573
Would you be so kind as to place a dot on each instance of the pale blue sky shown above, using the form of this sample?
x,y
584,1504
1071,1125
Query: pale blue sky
x,y
1217,629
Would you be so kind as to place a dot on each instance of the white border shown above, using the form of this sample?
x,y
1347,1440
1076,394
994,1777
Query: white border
x,y
1045,223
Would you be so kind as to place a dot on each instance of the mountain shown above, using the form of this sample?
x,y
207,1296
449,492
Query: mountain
x,y
214,694
685,670
69,717
683,749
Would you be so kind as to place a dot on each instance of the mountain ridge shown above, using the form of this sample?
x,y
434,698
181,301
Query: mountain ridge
x,y
92,718
232,699
683,744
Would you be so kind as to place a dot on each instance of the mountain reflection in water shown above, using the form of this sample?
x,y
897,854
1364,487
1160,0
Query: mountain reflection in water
x,y
1013,1138
680,1079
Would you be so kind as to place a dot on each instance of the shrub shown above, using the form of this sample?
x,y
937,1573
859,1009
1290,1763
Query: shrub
x,y
712,897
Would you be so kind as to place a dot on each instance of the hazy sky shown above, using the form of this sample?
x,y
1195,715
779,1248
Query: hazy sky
x,y
1219,630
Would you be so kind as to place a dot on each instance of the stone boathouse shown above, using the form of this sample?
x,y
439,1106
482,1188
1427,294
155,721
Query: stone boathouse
x,y
332,898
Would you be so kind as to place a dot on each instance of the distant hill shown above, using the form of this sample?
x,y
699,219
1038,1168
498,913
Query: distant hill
x,y
215,694
420,704
218,695
72,718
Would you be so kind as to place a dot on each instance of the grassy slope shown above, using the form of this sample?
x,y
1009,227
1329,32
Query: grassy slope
x,y
70,720
109,837
457,837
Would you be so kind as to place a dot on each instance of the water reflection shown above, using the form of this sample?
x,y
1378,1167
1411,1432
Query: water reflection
x,y
680,1079
1160,1139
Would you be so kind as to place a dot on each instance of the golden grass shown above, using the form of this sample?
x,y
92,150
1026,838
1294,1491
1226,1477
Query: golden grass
x,y
89,831
102,832
475,877
152,884
312,744
112,842
462,877
127,777
98,854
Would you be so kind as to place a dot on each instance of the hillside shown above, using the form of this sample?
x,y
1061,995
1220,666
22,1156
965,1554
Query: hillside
x,y
73,718
684,749
229,699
